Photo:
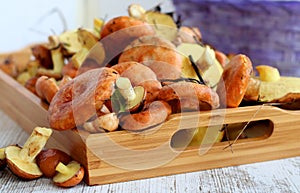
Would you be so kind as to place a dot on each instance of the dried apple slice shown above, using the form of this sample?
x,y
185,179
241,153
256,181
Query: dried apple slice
x,y
252,92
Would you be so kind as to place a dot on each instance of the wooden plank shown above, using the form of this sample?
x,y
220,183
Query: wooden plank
x,y
106,161
283,142
19,102
29,111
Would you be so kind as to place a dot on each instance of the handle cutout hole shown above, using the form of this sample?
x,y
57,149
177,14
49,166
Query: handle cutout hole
x,y
257,130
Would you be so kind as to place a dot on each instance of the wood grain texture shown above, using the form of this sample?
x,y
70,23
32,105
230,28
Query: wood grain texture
x,y
124,156
276,176
284,142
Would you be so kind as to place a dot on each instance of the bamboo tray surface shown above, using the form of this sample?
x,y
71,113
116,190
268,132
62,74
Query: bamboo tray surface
x,y
123,156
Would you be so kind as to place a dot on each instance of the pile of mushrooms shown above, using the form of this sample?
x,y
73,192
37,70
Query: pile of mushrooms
x,y
32,161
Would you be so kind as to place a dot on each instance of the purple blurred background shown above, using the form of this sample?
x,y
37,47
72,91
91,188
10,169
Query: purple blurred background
x,y
267,31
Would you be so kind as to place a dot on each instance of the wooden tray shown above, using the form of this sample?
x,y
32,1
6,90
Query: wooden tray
x,y
123,156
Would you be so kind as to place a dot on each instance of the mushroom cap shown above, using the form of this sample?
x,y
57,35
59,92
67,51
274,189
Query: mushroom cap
x,y
46,88
71,179
48,159
234,81
23,169
290,101
79,99
156,113
136,72
149,49
190,95
128,23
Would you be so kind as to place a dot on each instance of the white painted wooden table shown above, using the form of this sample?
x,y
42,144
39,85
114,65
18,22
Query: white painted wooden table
x,y
273,176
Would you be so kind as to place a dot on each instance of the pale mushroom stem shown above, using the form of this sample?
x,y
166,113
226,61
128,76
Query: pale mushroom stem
x,y
35,143
125,88
2,154
58,60
56,54
62,168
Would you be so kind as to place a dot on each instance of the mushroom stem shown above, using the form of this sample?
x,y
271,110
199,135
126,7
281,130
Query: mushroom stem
x,y
107,122
62,168
58,59
125,88
35,143
2,153
56,54
68,175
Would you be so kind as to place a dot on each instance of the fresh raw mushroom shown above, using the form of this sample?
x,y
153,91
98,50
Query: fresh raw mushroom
x,y
78,100
156,113
48,159
252,92
140,75
57,57
42,53
46,88
88,40
106,122
69,70
8,66
234,81
289,101
68,175
70,42
65,79
30,84
186,34
136,11
134,96
21,161
189,96
143,118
